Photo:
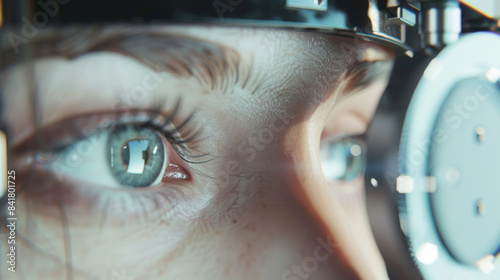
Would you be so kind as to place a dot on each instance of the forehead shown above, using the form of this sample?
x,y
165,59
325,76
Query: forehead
x,y
275,61
282,44
269,42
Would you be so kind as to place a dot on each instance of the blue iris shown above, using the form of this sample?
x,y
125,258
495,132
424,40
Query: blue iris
x,y
136,154
342,159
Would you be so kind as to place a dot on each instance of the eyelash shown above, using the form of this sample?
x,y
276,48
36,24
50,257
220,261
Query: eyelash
x,y
182,137
186,135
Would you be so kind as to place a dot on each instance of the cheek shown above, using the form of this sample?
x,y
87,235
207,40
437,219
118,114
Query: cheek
x,y
267,234
96,251
350,194
59,223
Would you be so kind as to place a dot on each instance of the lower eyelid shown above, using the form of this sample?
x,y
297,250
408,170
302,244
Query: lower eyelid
x,y
87,203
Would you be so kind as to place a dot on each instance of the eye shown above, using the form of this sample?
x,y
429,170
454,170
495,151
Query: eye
x,y
342,158
125,156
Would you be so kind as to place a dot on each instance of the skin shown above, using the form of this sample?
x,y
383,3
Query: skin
x,y
260,209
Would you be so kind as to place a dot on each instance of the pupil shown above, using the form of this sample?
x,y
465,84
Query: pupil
x,y
125,155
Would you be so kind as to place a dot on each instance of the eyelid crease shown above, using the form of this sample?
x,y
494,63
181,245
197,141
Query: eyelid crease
x,y
60,135
363,74
345,137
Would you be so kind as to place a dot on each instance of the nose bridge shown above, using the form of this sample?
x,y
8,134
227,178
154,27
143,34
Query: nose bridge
x,y
307,185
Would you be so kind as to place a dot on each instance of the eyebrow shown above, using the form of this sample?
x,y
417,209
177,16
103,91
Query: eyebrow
x,y
212,65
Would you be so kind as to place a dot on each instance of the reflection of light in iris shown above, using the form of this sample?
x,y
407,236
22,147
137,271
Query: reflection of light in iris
x,y
355,150
142,156
137,156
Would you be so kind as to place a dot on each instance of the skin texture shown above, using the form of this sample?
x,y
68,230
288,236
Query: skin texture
x,y
259,209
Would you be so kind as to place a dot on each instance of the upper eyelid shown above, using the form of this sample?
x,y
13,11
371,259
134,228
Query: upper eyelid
x,y
361,75
343,137
68,130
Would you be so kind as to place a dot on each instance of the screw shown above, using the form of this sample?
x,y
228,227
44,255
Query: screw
x,y
480,208
480,133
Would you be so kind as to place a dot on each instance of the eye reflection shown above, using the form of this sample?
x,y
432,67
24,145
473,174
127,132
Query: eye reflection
x,y
137,156
122,157
136,150
342,158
